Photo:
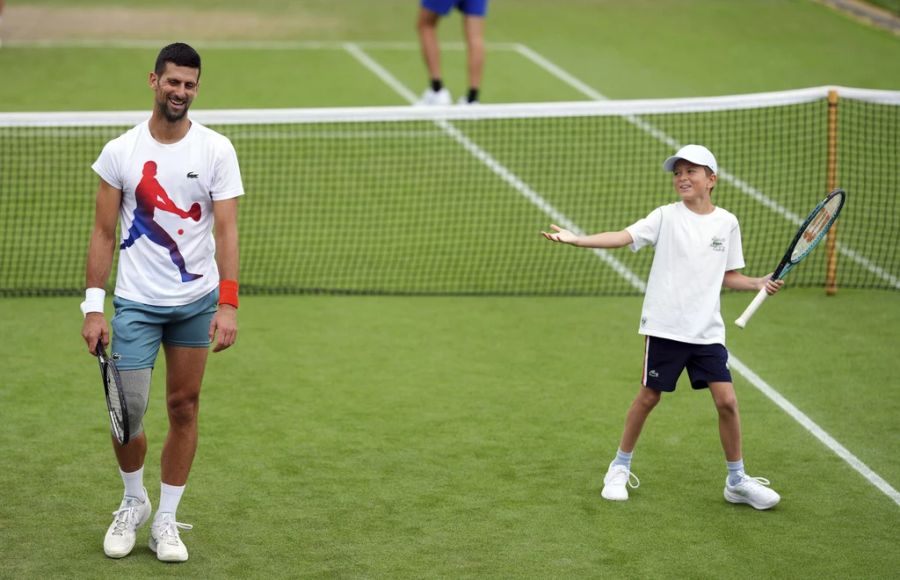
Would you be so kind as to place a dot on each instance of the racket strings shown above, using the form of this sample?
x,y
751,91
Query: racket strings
x,y
816,228
116,409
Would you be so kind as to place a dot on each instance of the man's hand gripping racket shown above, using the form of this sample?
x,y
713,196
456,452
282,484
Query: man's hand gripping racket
x,y
811,232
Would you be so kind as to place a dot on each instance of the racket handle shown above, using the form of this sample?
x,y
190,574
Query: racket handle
x,y
757,302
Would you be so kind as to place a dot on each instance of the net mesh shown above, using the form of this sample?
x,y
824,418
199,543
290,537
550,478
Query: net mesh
x,y
451,201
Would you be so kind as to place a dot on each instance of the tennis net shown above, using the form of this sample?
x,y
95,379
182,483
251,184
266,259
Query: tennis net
x,y
416,201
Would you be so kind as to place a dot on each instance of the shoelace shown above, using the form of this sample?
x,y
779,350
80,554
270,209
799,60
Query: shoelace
x,y
169,531
628,481
123,517
757,480
637,482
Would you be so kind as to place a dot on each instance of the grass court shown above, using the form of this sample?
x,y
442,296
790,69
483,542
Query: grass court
x,y
457,437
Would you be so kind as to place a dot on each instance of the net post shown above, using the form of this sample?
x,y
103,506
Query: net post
x,y
831,182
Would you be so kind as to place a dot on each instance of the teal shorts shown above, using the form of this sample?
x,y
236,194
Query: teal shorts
x,y
139,329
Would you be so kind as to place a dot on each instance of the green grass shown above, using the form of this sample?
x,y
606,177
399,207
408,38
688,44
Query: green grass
x,y
890,5
352,437
698,48
448,437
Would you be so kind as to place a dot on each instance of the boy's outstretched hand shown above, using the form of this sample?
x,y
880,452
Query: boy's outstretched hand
x,y
561,235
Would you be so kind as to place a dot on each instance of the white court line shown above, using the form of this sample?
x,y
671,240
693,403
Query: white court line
x,y
380,72
498,168
743,369
740,184
817,431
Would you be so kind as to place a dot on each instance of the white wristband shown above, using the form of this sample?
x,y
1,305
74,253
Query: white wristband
x,y
93,300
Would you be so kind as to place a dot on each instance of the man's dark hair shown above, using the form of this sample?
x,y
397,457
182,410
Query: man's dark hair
x,y
179,54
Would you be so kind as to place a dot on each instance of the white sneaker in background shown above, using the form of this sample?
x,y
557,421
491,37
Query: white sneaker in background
x,y
165,540
131,515
753,491
466,102
615,482
435,98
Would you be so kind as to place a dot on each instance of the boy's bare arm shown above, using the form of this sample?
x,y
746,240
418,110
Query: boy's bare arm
x,y
602,240
734,280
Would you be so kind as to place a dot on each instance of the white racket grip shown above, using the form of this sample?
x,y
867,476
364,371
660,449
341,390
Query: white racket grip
x,y
757,302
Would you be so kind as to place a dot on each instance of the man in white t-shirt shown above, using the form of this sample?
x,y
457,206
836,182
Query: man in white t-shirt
x,y
697,252
173,185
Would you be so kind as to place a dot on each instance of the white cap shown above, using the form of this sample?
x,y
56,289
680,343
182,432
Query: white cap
x,y
696,154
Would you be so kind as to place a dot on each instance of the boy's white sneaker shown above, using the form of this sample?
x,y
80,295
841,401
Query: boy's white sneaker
x,y
435,98
465,101
131,515
165,540
753,491
617,481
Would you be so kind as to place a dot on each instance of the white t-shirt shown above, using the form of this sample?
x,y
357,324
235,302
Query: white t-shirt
x,y
692,254
166,258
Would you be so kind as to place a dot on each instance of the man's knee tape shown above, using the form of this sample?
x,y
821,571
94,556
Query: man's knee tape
x,y
136,385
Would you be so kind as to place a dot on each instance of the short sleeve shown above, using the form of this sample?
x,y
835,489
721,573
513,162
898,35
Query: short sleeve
x,y
735,259
107,166
645,232
227,182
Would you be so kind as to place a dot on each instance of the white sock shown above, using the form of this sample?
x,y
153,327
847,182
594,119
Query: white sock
x,y
623,458
169,496
134,483
735,471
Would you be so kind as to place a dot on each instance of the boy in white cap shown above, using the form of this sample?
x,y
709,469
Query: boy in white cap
x,y
697,252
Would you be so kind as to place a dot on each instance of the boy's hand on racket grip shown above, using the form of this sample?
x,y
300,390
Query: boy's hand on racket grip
x,y
771,286
560,235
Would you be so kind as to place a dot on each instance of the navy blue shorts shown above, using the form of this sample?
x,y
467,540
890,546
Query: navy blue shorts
x,y
467,7
664,361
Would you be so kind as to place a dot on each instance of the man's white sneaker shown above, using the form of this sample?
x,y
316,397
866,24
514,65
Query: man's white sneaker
x,y
618,479
435,98
465,101
131,515
165,541
753,491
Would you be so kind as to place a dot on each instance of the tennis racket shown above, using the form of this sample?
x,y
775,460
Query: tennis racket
x,y
811,232
115,396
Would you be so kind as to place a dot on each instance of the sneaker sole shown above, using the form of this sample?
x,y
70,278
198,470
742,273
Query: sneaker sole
x,y
175,558
606,497
735,498
117,555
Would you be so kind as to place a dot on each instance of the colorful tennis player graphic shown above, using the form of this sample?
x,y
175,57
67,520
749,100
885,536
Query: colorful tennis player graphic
x,y
150,195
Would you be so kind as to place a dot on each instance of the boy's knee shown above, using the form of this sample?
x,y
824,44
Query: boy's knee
x,y
649,397
727,405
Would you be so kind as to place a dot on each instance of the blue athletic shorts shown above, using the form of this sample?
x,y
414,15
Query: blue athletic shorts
x,y
138,329
467,7
664,361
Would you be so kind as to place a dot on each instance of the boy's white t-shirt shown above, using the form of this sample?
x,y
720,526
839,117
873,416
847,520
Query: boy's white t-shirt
x,y
200,168
692,254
